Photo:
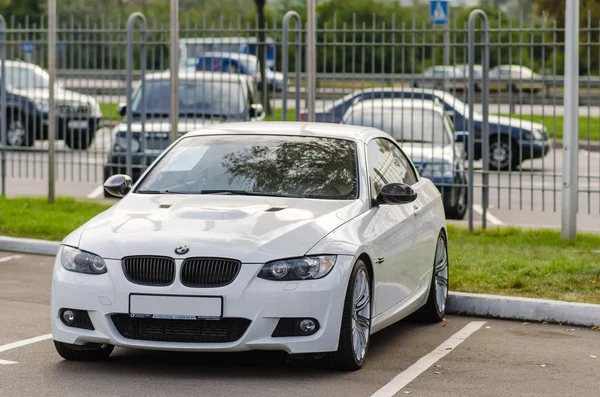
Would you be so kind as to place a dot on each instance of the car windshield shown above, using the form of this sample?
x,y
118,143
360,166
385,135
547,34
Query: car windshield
x,y
265,165
19,77
405,125
196,97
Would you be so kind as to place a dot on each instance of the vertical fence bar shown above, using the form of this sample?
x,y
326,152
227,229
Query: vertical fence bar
x,y
311,59
51,107
285,62
129,64
571,123
485,131
3,100
174,66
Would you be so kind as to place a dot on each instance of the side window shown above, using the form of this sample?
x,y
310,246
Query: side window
x,y
387,164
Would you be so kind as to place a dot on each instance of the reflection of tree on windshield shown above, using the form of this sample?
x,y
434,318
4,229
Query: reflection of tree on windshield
x,y
319,167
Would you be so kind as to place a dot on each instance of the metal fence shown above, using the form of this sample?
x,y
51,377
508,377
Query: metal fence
x,y
363,67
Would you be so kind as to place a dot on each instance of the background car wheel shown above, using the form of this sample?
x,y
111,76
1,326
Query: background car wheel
x,y
356,322
503,154
16,131
79,141
459,209
435,308
79,353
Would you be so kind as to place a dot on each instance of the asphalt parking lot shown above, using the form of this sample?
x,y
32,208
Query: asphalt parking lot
x,y
459,357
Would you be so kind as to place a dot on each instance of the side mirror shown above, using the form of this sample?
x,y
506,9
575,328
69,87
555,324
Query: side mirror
x,y
118,185
450,113
122,109
461,136
396,193
256,110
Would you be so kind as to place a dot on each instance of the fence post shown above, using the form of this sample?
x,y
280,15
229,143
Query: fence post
x,y
129,65
571,124
286,29
51,108
311,59
485,133
174,75
3,100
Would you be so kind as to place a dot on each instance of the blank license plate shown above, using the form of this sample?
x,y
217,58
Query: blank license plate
x,y
78,124
176,307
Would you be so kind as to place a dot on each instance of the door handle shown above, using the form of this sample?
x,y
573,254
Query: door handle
x,y
417,211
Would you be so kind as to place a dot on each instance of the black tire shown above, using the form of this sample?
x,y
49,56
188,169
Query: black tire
x,y
79,141
344,358
431,312
510,161
28,137
79,353
459,209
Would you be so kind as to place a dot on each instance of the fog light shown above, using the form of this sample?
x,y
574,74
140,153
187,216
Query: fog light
x,y
307,326
68,317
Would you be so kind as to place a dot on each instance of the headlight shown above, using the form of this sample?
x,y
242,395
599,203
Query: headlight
x,y
307,268
80,261
121,145
533,135
42,106
438,170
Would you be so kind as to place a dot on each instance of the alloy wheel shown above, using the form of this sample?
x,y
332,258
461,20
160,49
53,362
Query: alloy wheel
x,y
16,133
361,315
441,274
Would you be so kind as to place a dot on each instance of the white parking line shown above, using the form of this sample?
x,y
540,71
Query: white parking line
x,y
411,373
491,218
97,192
6,362
24,342
10,258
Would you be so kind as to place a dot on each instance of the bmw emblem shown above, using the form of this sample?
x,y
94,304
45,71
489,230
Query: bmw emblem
x,y
182,250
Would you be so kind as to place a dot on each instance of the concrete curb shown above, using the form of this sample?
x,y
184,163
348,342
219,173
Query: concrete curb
x,y
525,309
28,245
592,146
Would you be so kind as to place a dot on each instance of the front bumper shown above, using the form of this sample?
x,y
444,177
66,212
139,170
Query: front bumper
x,y
68,126
261,301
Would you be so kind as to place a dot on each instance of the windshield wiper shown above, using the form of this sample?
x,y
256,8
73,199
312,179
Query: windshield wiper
x,y
163,191
248,193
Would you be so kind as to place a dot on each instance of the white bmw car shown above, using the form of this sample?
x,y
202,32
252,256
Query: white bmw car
x,y
306,238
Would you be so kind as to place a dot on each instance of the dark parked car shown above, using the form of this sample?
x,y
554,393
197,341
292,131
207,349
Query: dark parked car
x,y
204,98
511,140
27,92
425,134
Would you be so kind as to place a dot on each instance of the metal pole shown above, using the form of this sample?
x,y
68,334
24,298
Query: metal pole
x,y
571,124
286,28
174,66
447,47
129,73
3,101
51,107
485,131
311,59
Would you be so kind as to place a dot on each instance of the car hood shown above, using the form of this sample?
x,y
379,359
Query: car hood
x,y
61,95
526,125
252,229
421,153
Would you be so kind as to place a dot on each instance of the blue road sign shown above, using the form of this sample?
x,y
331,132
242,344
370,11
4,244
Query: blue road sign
x,y
61,46
438,12
27,47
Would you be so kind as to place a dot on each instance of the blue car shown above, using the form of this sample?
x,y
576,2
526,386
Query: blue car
x,y
511,140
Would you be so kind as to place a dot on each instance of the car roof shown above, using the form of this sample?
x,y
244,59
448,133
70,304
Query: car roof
x,y
24,64
325,130
198,75
401,103
224,40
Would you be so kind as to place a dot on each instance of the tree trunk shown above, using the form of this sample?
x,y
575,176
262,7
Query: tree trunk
x,y
262,54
